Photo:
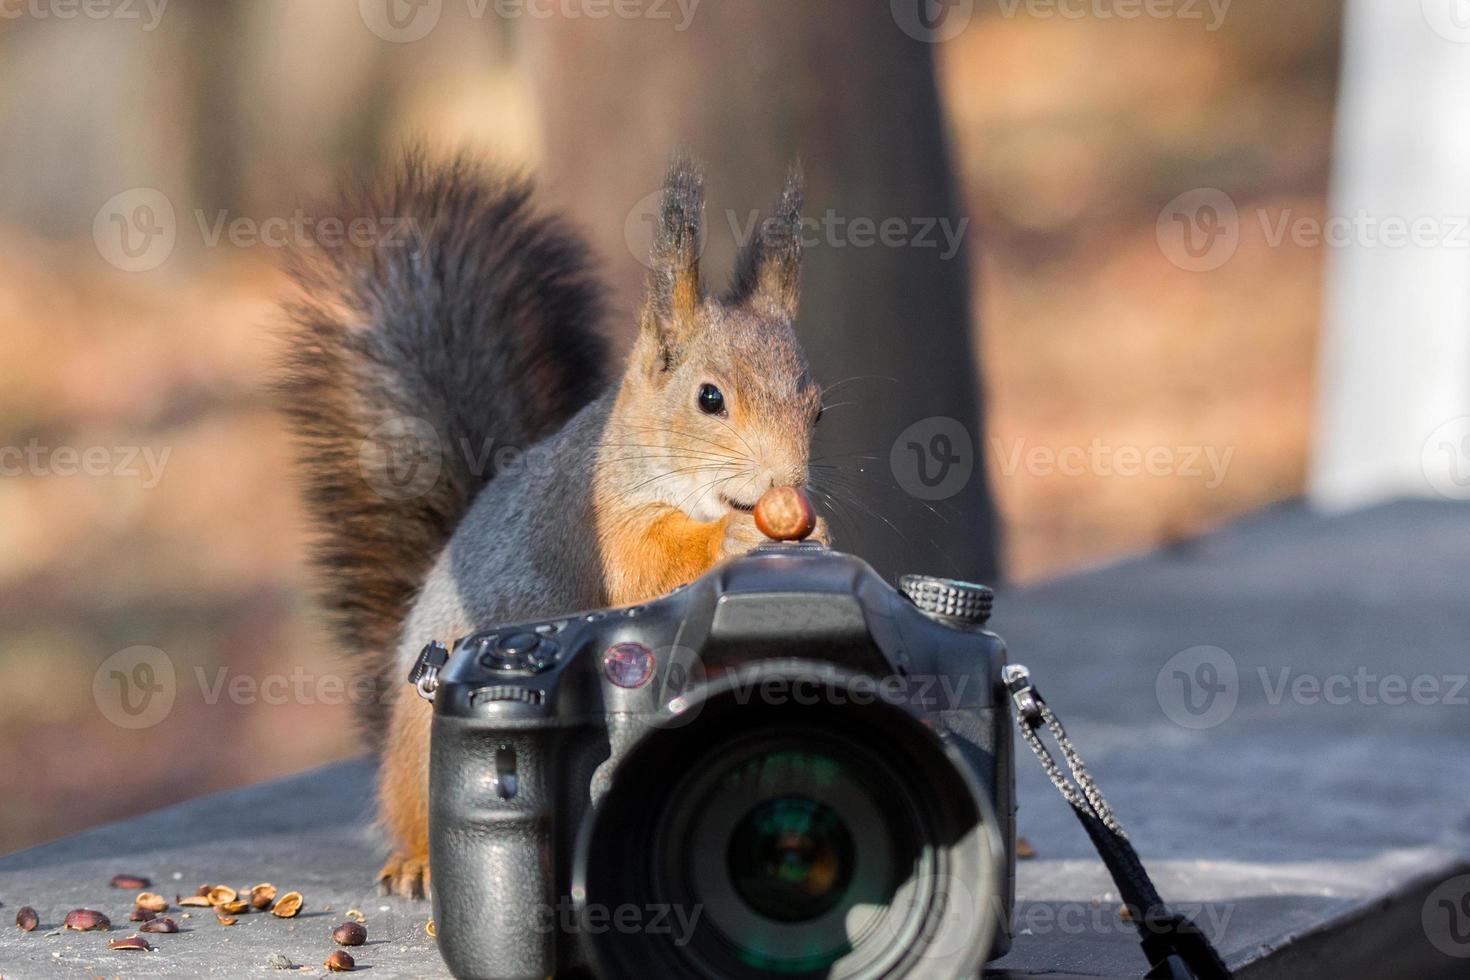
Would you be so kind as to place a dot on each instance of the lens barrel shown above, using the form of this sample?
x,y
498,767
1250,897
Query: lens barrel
x,y
827,833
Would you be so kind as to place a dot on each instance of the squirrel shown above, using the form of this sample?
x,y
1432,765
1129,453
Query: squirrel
x,y
411,365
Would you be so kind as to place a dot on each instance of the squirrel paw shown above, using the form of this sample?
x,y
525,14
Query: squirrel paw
x,y
404,876
741,535
821,533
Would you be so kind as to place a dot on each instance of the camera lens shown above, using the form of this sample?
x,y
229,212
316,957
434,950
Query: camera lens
x,y
815,852
835,838
791,858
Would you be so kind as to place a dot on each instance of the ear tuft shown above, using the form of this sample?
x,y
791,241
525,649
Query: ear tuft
x,y
674,289
768,274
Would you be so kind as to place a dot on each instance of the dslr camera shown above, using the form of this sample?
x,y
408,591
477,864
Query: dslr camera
x,y
786,767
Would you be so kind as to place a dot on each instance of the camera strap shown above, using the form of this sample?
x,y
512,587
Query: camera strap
x,y
1173,943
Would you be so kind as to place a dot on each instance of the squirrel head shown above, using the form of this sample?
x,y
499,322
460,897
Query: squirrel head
x,y
722,403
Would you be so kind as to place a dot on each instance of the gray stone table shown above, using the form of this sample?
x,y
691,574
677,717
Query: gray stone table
x,y
1277,712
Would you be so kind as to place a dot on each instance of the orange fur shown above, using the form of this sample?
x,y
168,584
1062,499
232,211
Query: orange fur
x,y
403,795
654,548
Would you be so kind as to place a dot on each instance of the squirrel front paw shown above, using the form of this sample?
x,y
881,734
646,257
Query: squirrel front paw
x,y
741,535
821,533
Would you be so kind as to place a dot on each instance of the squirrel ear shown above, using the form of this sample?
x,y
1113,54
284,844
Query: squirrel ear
x,y
670,312
768,273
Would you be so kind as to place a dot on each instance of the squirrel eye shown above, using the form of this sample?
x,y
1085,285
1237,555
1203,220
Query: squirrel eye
x,y
711,400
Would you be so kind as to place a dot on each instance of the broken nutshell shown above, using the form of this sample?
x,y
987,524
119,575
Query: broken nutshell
x,y
26,919
86,920
149,902
261,896
160,924
132,942
221,894
131,883
287,905
140,915
340,962
350,934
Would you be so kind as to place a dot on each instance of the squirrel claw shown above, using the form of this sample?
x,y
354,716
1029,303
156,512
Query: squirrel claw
x,y
407,877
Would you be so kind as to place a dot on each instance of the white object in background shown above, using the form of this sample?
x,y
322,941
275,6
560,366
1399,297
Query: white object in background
x,y
1394,379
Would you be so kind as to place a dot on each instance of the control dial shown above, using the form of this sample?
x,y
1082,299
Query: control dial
x,y
949,599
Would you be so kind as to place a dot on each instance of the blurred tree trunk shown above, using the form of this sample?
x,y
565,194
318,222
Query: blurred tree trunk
x,y
748,87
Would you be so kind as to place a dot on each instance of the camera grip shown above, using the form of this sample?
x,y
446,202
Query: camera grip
x,y
491,813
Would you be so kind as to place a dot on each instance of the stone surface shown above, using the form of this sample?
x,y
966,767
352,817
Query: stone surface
x,y
1304,823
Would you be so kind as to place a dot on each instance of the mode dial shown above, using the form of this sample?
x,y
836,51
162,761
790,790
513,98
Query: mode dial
x,y
949,599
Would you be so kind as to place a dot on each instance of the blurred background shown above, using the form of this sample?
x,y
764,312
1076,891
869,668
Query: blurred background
x,y
1086,159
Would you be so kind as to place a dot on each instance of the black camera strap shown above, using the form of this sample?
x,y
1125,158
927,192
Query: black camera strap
x,y
1173,943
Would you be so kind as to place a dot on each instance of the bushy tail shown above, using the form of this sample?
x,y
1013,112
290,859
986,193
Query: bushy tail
x,y
467,324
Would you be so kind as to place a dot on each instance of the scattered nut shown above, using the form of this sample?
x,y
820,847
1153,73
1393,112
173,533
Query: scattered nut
x,y
261,896
132,942
140,915
356,915
288,905
279,961
431,929
130,882
237,907
26,919
221,894
350,934
162,924
227,920
194,901
1024,850
86,920
340,962
150,902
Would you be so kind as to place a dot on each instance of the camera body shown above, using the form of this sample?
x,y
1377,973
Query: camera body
x,y
786,766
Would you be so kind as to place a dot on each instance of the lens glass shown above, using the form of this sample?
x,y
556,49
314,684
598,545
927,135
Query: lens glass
x,y
796,847
791,858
